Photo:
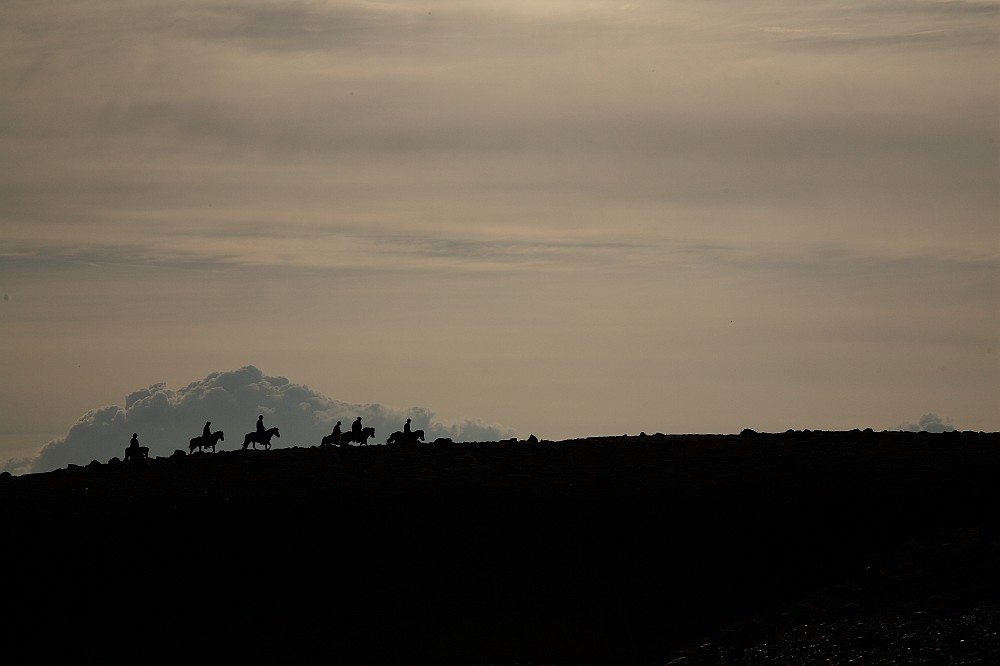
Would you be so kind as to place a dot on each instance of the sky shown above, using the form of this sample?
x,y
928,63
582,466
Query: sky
x,y
566,219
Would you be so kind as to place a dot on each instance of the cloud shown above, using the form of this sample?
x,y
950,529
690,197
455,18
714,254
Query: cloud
x,y
928,423
166,420
17,465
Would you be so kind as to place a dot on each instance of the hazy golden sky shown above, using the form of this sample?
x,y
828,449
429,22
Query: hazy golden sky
x,y
567,218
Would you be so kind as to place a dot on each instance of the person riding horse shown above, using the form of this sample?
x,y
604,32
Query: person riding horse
x,y
207,438
134,451
333,438
406,436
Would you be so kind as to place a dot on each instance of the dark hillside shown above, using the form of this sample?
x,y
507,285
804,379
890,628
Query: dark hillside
x,y
618,549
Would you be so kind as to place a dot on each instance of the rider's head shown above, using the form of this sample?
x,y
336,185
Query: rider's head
x,y
135,434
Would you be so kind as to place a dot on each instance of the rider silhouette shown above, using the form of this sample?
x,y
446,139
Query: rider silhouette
x,y
356,426
406,427
335,435
134,451
206,432
260,425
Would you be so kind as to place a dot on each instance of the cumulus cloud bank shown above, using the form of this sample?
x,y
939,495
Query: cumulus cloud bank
x,y
166,420
928,423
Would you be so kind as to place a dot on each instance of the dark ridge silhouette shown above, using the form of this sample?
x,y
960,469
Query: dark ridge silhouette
x,y
788,548
262,438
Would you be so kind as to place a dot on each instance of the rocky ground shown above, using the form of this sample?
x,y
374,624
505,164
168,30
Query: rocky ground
x,y
789,548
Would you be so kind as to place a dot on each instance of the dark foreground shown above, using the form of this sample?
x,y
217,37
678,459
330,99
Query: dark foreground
x,y
696,549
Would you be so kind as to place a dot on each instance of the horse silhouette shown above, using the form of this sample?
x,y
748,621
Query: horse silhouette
x,y
201,442
264,438
136,452
400,437
361,437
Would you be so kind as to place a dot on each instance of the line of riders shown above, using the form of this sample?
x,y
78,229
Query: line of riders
x,y
358,434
